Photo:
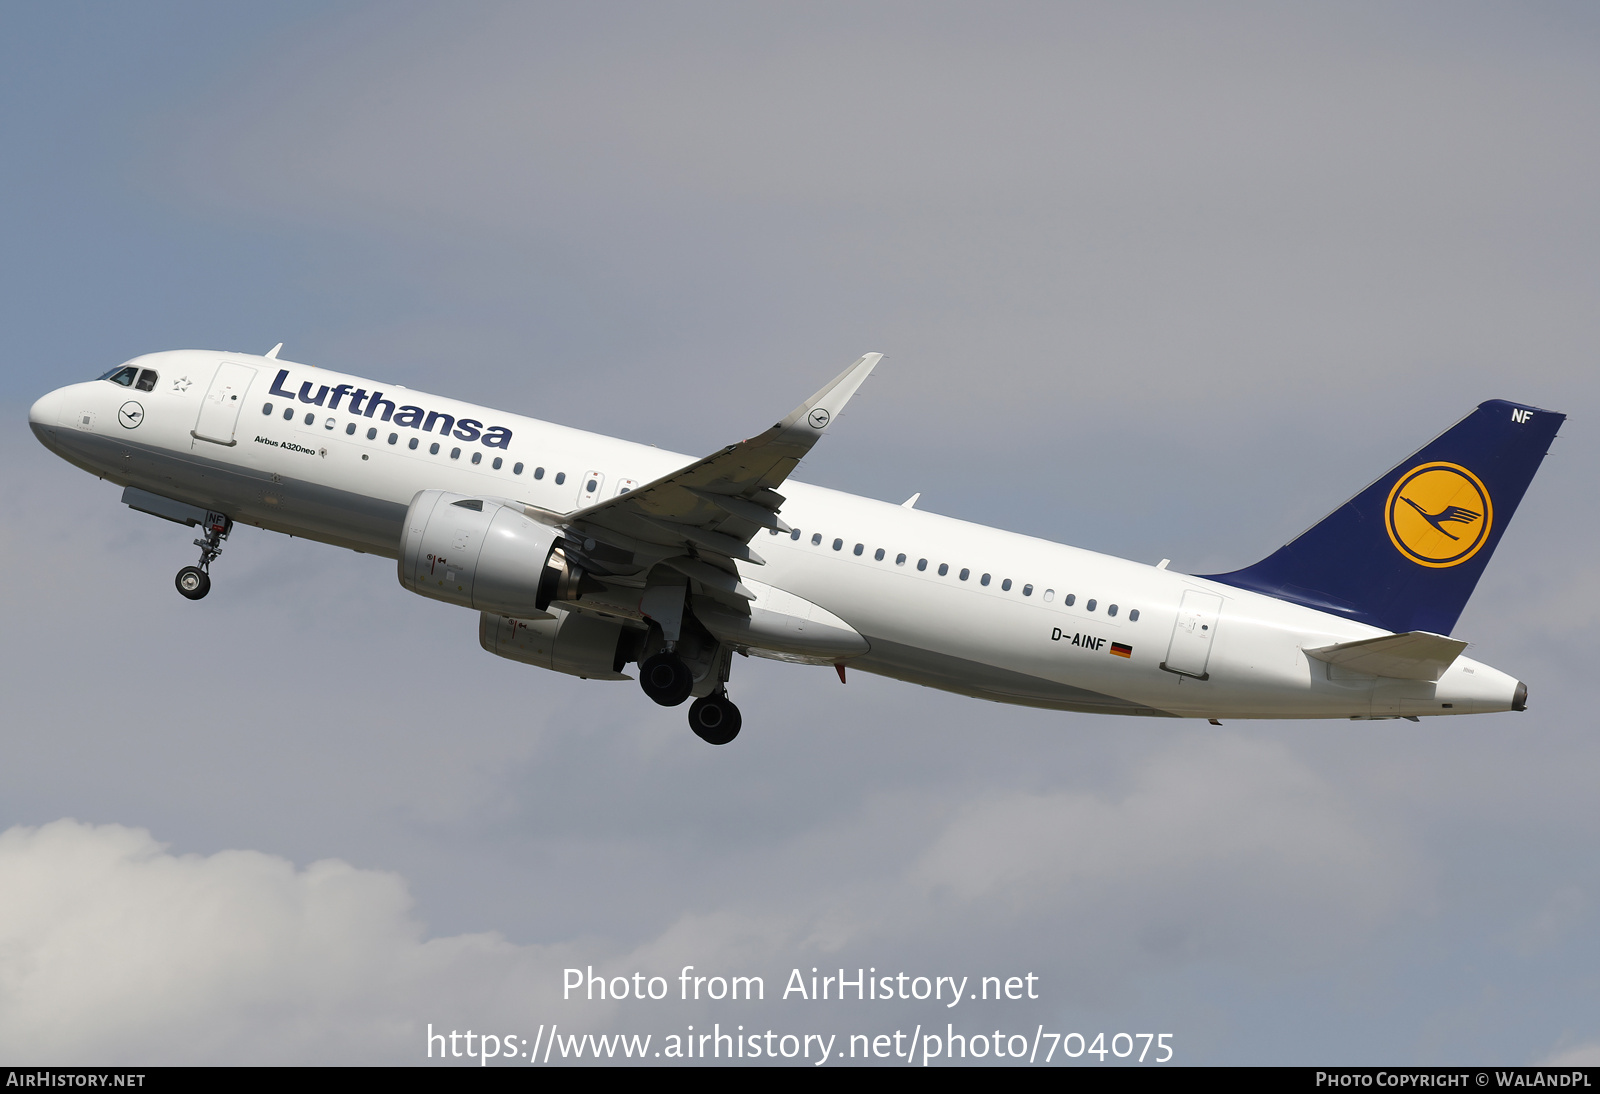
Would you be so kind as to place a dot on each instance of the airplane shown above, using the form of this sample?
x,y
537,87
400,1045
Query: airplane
x,y
585,554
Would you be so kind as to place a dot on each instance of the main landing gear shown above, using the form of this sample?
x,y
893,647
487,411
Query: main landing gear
x,y
714,719
194,582
667,680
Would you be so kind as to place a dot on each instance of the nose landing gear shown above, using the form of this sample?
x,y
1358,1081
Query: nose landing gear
x,y
194,582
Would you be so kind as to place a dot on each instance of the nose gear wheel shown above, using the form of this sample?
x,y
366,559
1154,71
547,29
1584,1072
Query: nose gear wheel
x,y
194,582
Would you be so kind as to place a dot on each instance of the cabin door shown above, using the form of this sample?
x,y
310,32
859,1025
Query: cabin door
x,y
1192,635
219,410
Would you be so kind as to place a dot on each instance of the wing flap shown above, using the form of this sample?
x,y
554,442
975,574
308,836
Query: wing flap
x,y
1412,655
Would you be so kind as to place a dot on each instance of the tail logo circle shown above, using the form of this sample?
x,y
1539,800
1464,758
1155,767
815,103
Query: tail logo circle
x,y
1438,514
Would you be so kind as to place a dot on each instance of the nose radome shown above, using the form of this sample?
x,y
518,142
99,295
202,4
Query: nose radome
x,y
46,411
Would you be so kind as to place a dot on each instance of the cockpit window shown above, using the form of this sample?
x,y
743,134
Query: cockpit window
x,y
124,375
147,380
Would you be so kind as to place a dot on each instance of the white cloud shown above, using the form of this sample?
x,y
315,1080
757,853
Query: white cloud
x,y
1585,1055
1220,845
114,950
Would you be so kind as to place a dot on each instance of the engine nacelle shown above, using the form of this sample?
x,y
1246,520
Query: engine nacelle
x,y
570,642
482,554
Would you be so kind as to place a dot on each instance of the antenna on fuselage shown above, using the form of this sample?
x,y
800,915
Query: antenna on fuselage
x,y
272,354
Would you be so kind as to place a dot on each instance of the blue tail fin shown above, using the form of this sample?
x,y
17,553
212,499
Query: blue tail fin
x,y
1406,552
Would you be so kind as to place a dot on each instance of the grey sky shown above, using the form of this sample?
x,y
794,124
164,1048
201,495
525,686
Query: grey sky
x,y
1163,281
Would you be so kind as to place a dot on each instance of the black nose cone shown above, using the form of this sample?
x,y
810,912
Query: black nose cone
x,y
1519,698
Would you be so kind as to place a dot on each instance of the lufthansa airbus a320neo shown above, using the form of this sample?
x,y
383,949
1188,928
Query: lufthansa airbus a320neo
x,y
585,554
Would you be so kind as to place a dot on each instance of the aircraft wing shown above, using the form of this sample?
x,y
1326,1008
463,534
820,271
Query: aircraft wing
x,y
1412,655
701,518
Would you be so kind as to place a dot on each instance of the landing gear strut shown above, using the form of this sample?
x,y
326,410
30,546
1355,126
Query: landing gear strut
x,y
714,719
194,582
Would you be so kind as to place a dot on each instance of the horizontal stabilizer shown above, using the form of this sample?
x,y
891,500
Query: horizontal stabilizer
x,y
1414,655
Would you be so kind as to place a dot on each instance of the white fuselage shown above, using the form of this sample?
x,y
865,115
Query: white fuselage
x,y
992,614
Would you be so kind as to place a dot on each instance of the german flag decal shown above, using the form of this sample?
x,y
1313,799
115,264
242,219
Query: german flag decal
x,y
1119,650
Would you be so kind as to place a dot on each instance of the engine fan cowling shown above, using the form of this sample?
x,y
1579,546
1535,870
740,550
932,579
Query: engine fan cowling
x,y
477,553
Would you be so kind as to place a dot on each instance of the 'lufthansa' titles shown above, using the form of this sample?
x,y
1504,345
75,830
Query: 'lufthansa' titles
x,y
372,404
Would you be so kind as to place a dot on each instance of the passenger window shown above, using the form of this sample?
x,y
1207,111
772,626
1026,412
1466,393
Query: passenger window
x,y
900,559
350,430
1005,586
393,437
455,453
498,462
516,469
561,477
1089,607
922,564
311,419
1049,595
794,534
944,568
965,573
816,539
1070,599
267,409
859,548
477,457
538,472
1133,616
984,580
288,413
878,554
123,376
1027,590
838,544
372,434
329,424
433,449
412,444
1112,610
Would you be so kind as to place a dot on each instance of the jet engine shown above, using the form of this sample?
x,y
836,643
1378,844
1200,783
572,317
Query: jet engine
x,y
485,554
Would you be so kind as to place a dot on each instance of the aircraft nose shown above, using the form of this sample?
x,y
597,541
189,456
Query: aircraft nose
x,y
46,412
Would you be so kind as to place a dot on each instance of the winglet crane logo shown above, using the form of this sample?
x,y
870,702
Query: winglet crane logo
x,y
1438,514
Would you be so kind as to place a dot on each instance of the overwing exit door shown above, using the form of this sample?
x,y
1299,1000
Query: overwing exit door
x,y
219,410
1192,635
589,488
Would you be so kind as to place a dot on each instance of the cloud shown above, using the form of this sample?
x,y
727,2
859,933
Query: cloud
x,y
1219,846
114,950
1585,1055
